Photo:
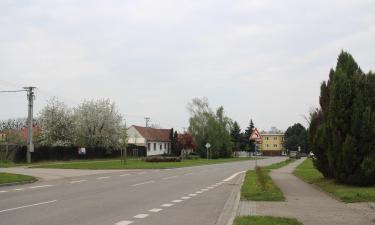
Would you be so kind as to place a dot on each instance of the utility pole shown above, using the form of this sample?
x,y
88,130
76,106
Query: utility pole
x,y
30,145
147,120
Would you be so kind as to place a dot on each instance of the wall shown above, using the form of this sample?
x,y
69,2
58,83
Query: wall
x,y
165,148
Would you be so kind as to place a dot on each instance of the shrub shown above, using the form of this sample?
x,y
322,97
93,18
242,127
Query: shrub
x,y
160,158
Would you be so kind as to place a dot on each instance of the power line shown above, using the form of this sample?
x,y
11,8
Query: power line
x,y
12,91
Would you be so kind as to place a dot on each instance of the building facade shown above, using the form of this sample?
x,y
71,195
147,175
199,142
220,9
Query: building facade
x,y
156,141
272,144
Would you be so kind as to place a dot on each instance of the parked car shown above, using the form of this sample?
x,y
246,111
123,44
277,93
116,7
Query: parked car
x,y
257,153
294,155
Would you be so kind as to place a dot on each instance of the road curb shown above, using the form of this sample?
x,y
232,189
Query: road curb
x,y
229,211
18,183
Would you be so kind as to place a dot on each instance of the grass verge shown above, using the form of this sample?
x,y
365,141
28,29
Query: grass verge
x,y
8,178
258,185
347,193
265,220
134,164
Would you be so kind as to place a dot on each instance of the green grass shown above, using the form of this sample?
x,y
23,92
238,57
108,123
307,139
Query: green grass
x,y
346,193
258,185
7,178
133,164
265,220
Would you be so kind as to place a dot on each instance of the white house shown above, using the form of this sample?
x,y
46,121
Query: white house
x,y
156,141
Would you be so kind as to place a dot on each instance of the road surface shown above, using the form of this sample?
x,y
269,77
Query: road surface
x,y
181,196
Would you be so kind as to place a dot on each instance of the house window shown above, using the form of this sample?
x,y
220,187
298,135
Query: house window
x,y
275,145
275,138
148,146
267,145
165,146
161,146
154,146
266,138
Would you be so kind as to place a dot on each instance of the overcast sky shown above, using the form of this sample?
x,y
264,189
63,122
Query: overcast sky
x,y
259,59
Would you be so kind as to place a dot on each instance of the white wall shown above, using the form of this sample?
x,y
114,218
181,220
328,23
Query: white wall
x,y
134,137
157,150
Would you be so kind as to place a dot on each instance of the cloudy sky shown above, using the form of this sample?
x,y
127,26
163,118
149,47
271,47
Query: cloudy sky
x,y
259,59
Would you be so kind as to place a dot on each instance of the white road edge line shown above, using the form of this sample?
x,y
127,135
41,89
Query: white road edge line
x,y
19,189
147,182
77,181
233,176
141,216
26,206
124,222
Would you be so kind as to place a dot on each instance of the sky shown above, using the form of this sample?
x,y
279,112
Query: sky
x,y
259,59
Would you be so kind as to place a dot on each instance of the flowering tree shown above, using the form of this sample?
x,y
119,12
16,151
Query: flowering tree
x,y
56,123
98,124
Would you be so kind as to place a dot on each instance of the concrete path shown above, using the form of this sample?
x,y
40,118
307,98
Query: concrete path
x,y
306,203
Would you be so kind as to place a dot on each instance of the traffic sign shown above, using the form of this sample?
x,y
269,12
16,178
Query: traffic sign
x,y
255,135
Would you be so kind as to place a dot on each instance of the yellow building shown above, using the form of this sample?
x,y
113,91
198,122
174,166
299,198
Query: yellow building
x,y
272,144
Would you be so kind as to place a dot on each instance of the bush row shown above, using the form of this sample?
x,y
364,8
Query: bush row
x,y
162,159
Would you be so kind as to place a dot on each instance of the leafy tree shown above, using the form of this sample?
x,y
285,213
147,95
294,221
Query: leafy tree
x,y
57,124
296,136
207,126
98,124
342,130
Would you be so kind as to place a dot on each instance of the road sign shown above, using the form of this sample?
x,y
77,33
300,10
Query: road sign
x,y
255,135
208,145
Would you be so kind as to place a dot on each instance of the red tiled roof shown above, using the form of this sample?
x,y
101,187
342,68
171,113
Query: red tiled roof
x,y
152,134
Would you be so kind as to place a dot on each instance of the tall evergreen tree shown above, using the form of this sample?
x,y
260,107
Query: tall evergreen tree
x,y
249,130
235,133
342,130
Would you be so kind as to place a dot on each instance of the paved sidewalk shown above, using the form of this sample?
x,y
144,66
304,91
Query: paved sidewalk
x,y
306,203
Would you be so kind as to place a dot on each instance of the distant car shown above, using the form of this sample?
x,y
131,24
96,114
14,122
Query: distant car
x,y
257,153
294,155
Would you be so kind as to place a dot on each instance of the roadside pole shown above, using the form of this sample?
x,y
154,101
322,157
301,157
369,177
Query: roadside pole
x,y
30,98
208,145
255,136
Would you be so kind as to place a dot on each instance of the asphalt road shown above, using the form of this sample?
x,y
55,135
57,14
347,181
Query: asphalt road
x,y
182,196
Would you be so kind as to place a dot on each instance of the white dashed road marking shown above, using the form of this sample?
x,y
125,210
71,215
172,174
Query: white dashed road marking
x,y
141,216
199,192
155,210
192,194
177,201
19,189
167,205
124,222
41,186
167,178
147,182
77,181
3,191
101,178
26,206
205,189
185,197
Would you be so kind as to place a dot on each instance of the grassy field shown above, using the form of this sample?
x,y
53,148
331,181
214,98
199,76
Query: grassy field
x,y
134,164
6,178
265,220
346,193
258,185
